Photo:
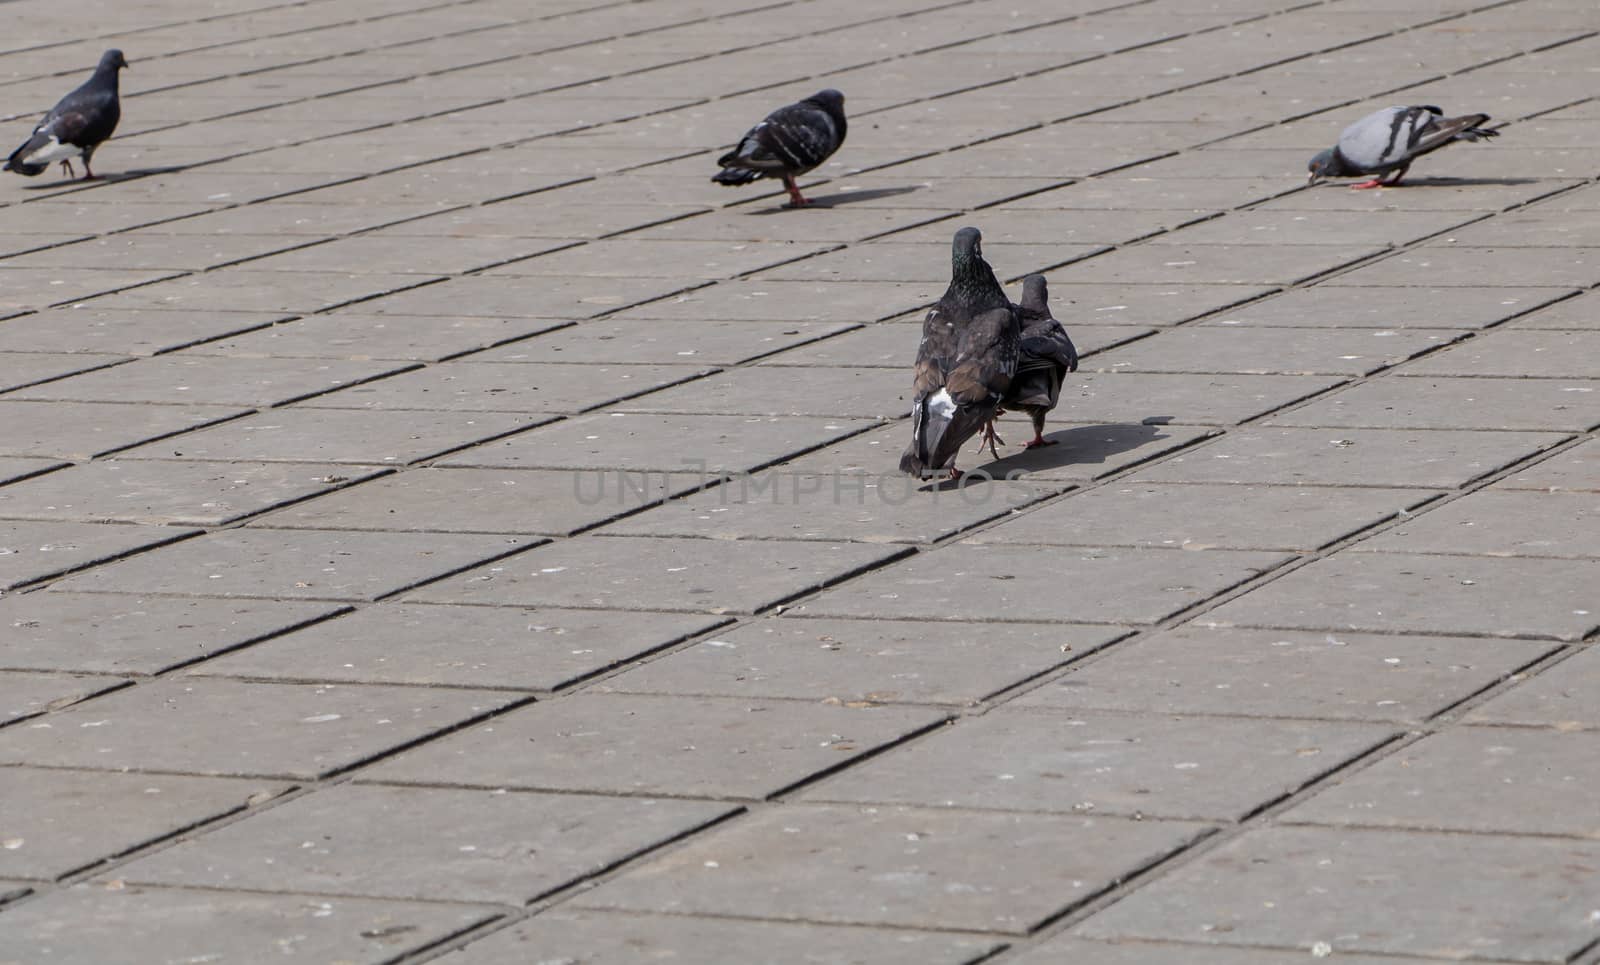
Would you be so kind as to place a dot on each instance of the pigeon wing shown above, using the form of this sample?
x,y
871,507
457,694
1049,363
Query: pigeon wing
x,y
1386,138
792,140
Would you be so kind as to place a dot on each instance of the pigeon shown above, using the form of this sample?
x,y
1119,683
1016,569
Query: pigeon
x,y
75,126
969,351
791,141
1047,355
1390,140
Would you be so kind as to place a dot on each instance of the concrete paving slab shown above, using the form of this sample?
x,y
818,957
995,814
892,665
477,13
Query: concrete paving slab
x,y
793,301
18,370
1007,222
1439,459
92,922
170,492
567,298
1192,399
484,500
239,289
1067,948
638,744
1108,585
104,633
1357,891
511,387
1441,265
1286,673
1200,517
1279,227
1541,227
632,258
1500,524
1106,764
210,381
1392,307
250,729
157,251
25,695
1556,700
1180,263
794,229
468,845
660,573
873,661
16,468
33,289
1438,402
661,342
60,821
296,564
1495,780
891,346
928,262
846,392
32,550
1423,192
294,217
1578,314
344,436
1481,596
637,939
906,867
1269,351
83,430
1072,298
1575,470
542,216
347,335
637,442
124,331
380,252
496,647
1118,192
1519,355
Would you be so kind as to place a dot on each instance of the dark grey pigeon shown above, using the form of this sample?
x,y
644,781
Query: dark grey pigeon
x,y
965,362
1389,140
75,126
1046,357
791,141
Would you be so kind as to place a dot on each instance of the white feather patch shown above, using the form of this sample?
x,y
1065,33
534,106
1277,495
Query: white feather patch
x,y
941,405
53,150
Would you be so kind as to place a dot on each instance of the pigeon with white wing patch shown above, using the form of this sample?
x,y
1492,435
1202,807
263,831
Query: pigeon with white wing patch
x,y
789,142
965,362
1386,142
77,125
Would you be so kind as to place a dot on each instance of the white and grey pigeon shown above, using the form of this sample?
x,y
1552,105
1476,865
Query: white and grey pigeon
x,y
1389,140
789,142
1046,357
77,125
965,361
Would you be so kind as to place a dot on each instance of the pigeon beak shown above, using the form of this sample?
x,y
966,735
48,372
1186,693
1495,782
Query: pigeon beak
x,y
1312,179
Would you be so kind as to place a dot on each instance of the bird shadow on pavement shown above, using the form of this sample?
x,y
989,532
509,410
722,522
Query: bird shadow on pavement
x,y
838,200
1435,182
1080,446
111,178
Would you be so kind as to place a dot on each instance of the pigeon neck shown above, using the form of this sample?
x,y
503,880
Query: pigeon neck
x,y
973,284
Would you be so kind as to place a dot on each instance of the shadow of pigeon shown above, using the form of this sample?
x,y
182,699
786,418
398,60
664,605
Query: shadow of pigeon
x,y
111,178
1079,446
1438,182
843,198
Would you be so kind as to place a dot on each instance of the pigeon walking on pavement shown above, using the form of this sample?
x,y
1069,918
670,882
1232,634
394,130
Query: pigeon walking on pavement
x,y
1389,140
77,125
965,363
1047,355
789,142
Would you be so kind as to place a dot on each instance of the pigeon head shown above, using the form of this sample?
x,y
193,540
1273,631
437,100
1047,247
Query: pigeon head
x,y
112,60
1325,165
1035,294
829,100
971,278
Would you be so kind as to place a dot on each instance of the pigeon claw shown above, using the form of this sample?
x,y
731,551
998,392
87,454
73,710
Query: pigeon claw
x,y
988,439
1374,183
954,473
66,165
796,200
1037,441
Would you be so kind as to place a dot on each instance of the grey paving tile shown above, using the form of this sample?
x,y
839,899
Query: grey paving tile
x,y
95,922
510,387
1366,891
1388,592
885,346
343,436
1189,195
1438,402
893,260
1217,265
660,443
793,301
1540,227
483,501
226,727
500,647
637,744
82,430
677,259
1500,524
1281,227
1156,397
1108,585
24,695
203,380
1439,459
637,939
19,370
85,328
107,633
908,867
660,573
1573,313
662,342
1390,307
1573,267
60,821
1285,673
16,468
238,289
1073,299
1262,350
467,845
1166,767
1479,779
32,550
1559,699
1423,193
846,392
349,335
1576,469
379,252
296,564
1518,354
39,288
1066,948
157,251
572,297
1203,516
169,492
874,661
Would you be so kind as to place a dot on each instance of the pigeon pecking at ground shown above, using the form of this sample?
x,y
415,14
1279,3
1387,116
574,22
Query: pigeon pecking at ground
x,y
791,141
1047,355
77,125
1389,140
970,345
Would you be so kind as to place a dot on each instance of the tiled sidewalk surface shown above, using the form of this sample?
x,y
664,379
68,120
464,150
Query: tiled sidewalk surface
x,y
437,524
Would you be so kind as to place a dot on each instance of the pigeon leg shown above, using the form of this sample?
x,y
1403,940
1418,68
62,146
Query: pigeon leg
x,y
955,473
1038,435
988,438
795,198
88,175
1374,183
66,165
1399,174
